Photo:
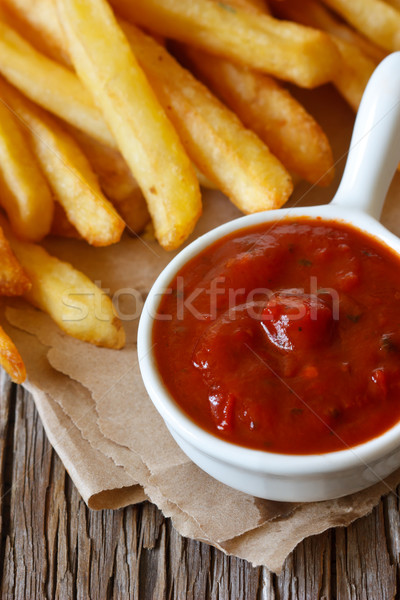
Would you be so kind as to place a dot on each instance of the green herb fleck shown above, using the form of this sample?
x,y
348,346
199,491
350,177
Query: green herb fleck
x,y
305,262
180,329
354,318
300,329
178,293
297,411
388,344
366,253
227,7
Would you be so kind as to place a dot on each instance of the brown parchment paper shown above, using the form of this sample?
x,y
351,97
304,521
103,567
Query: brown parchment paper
x,y
104,427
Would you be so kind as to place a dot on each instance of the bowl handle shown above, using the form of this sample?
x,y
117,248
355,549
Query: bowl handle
x,y
375,144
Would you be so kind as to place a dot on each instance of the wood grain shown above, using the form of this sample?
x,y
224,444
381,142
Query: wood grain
x,y
54,547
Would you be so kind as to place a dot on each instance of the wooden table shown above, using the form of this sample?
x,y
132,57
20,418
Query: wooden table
x,y
53,546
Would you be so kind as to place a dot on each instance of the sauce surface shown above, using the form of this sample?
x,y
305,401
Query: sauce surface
x,y
285,337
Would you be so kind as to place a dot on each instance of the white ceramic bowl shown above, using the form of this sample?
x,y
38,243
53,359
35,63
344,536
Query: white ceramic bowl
x,y
373,157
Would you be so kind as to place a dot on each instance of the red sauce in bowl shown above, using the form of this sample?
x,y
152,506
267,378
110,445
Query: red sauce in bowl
x,y
285,337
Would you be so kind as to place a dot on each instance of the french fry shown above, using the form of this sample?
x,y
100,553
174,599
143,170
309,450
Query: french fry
x,y
114,175
289,51
116,181
74,302
204,181
37,22
355,74
144,135
13,280
24,193
254,6
10,359
60,226
68,173
279,120
377,20
314,14
394,3
49,84
129,204
231,156
356,68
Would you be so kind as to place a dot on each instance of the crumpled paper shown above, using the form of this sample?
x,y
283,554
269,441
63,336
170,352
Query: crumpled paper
x,y
104,427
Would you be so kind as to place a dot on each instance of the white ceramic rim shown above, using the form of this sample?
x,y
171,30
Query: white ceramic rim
x,y
242,457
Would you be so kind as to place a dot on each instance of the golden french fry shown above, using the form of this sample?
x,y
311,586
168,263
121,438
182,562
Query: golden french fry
x,y
114,175
133,210
356,71
204,181
116,181
37,22
68,173
377,20
394,3
287,50
13,280
24,193
10,359
279,120
231,156
254,6
313,14
60,226
357,67
74,302
49,84
144,135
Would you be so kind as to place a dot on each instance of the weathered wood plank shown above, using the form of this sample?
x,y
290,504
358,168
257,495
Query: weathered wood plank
x,y
364,568
53,546
306,573
5,429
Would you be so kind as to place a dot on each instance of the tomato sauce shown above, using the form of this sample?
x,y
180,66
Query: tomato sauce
x,y
285,337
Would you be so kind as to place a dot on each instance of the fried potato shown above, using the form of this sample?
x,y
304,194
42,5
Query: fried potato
x,y
13,279
254,6
289,51
37,22
377,20
24,193
357,67
115,177
355,74
314,14
74,302
68,173
116,181
231,156
49,84
60,226
394,3
146,138
279,120
10,358
204,181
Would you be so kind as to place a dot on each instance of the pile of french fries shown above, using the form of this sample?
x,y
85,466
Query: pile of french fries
x,y
113,114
